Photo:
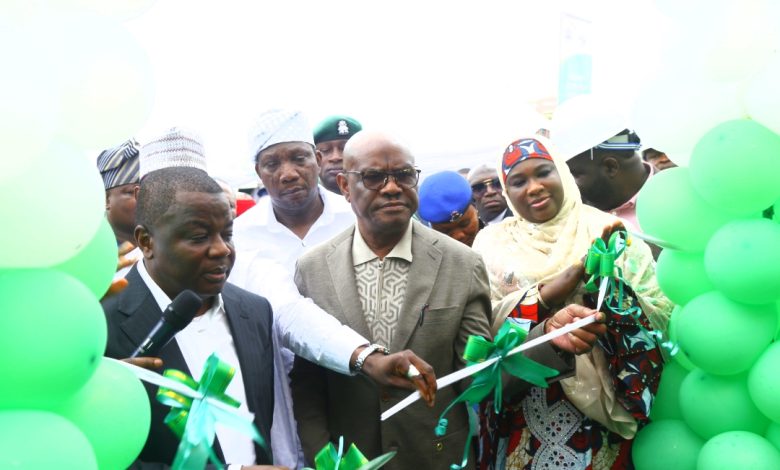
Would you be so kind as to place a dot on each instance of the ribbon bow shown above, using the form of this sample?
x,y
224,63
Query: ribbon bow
x,y
607,278
193,419
331,459
478,349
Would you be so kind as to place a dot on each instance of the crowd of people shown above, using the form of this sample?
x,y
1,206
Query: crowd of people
x,y
352,279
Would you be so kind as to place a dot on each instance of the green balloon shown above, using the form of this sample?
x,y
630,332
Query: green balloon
x,y
773,434
681,358
764,382
722,336
95,264
681,275
735,166
667,205
52,336
666,404
738,449
665,445
113,411
743,260
713,404
33,440
41,229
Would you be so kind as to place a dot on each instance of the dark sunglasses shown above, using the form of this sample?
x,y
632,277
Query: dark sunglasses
x,y
480,188
376,180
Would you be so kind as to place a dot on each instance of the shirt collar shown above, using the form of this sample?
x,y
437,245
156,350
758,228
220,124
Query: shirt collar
x,y
497,218
162,299
361,253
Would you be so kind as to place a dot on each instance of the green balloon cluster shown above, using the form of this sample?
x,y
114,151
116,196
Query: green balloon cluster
x,y
62,405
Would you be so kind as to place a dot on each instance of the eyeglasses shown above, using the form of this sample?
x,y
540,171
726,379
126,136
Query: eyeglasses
x,y
376,180
480,188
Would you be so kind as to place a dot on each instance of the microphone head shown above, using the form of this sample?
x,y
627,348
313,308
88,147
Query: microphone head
x,y
183,309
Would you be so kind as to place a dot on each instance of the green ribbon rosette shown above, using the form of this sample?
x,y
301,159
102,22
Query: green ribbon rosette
x,y
329,458
477,350
193,420
607,277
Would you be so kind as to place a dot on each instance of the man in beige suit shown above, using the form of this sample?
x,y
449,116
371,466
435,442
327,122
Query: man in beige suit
x,y
403,286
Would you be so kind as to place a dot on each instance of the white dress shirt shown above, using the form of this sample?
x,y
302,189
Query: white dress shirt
x,y
265,264
210,333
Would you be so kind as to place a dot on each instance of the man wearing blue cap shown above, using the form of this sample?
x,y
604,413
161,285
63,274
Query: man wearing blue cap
x,y
445,202
329,139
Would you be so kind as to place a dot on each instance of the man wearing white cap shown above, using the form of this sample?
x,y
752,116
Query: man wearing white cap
x,y
611,174
269,238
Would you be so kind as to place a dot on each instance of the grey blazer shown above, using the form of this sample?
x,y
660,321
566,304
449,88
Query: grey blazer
x,y
447,277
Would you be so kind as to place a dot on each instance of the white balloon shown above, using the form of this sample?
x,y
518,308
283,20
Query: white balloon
x,y
118,10
51,210
762,100
107,81
29,100
673,111
584,121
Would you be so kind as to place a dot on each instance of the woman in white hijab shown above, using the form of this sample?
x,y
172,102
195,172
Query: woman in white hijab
x,y
534,261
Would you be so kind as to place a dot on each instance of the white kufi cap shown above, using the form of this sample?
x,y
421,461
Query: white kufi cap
x,y
176,147
277,126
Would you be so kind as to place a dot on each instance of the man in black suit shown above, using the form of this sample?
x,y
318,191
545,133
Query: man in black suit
x,y
184,230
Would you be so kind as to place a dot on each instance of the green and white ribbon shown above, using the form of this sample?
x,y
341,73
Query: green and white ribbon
x,y
478,349
196,407
607,279
330,458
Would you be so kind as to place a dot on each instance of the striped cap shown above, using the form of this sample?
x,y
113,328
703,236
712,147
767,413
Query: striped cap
x,y
625,140
176,147
119,165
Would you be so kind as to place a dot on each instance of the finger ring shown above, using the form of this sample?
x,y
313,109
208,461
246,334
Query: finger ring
x,y
412,372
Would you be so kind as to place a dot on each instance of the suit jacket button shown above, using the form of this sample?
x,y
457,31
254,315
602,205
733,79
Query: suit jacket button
x,y
439,447
385,397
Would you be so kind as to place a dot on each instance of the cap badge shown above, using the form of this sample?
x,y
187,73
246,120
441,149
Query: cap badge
x,y
343,128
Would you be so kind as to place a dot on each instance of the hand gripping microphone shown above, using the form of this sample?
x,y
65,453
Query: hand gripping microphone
x,y
175,318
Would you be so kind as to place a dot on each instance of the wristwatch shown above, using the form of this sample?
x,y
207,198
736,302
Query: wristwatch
x,y
370,349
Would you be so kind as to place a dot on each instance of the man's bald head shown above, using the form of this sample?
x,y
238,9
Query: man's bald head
x,y
365,142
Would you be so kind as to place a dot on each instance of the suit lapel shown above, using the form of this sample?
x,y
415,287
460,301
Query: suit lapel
x,y
143,313
426,258
244,339
342,274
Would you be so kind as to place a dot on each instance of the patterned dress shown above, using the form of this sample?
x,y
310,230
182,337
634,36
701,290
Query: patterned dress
x,y
544,430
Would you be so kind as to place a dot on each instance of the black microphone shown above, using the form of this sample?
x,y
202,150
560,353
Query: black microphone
x,y
175,318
